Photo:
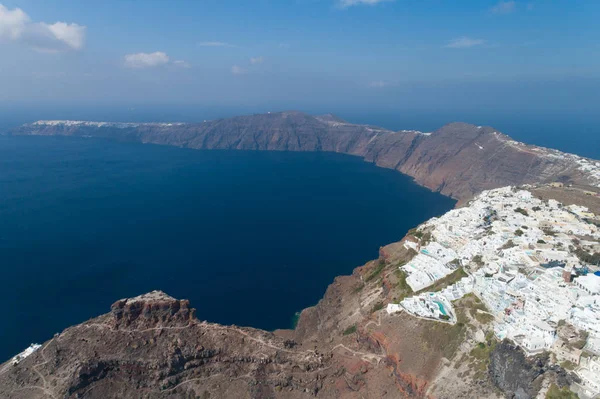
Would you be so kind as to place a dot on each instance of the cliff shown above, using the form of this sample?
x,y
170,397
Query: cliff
x,y
458,160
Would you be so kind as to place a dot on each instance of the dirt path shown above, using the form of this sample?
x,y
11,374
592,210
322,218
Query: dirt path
x,y
368,357
45,388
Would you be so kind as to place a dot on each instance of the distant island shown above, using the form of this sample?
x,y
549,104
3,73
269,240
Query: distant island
x,y
458,160
497,298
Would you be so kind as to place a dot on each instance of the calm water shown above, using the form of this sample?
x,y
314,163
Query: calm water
x,y
249,237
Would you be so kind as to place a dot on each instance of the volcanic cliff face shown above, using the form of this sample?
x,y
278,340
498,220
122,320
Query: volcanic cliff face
x,y
458,160
153,346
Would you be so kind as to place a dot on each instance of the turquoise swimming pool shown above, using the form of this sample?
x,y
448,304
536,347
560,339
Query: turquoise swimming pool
x,y
441,306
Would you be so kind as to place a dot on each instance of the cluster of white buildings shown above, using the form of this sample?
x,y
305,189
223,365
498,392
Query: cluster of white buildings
x,y
430,305
432,263
519,253
120,125
26,353
590,167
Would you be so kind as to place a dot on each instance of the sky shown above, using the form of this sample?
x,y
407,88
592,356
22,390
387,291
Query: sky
x,y
422,57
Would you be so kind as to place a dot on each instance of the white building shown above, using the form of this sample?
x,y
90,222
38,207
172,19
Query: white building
x,y
589,283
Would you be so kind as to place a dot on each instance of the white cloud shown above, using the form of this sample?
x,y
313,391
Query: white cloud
x,y
12,23
182,64
350,3
504,7
146,60
215,44
464,42
257,60
17,26
237,70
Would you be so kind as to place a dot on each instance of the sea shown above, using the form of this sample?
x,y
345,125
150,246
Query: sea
x,y
250,238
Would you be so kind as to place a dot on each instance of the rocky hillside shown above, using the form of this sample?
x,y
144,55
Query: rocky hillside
x,y
458,160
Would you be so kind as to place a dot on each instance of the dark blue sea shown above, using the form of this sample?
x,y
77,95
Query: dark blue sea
x,y
249,237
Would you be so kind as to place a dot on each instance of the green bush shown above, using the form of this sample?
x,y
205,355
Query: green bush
x,y
378,269
557,393
522,211
377,307
350,330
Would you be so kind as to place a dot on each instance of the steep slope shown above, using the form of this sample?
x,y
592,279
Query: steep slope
x,y
458,160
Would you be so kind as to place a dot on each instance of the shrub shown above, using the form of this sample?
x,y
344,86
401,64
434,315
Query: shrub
x,y
378,269
557,393
350,330
377,307
568,365
478,260
521,211
508,244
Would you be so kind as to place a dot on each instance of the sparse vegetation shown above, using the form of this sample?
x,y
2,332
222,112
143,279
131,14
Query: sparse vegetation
x,y
521,211
480,356
423,236
560,393
519,232
549,232
445,282
447,338
350,330
587,257
415,233
402,286
541,241
358,288
475,305
580,342
378,269
478,260
568,365
426,239
377,307
508,244
536,209
483,318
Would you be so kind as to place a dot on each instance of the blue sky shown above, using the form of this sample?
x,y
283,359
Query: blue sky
x,y
539,56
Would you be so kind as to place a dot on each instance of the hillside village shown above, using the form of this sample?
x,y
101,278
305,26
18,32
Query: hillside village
x,y
533,263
